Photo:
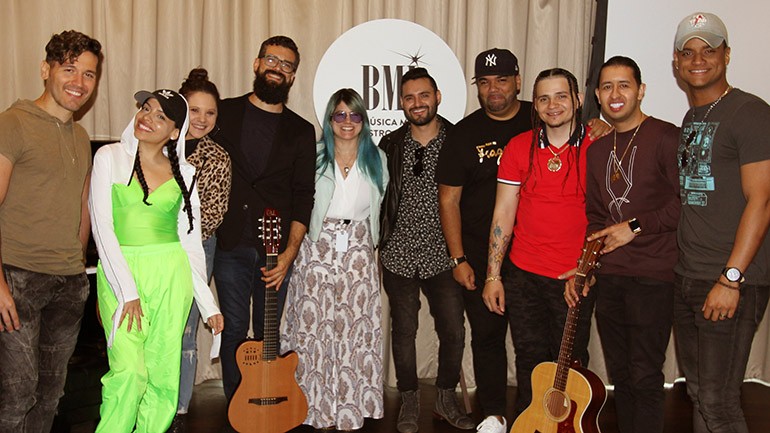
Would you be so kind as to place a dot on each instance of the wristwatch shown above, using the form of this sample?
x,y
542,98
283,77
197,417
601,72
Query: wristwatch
x,y
454,261
634,225
733,275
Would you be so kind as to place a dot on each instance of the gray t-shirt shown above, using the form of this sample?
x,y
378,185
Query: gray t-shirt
x,y
736,132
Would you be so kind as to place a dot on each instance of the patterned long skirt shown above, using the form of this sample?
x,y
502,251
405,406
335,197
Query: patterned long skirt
x,y
332,320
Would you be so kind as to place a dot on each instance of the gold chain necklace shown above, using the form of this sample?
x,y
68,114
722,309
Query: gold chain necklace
x,y
554,163
618,162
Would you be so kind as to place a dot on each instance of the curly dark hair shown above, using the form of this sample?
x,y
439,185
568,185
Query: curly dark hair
x,y
281,41
68,45
198,81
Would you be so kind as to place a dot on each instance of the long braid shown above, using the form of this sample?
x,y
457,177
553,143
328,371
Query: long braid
x,y
142,180
174,159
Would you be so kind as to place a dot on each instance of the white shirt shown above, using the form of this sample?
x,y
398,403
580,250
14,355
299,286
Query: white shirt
x,y
351,196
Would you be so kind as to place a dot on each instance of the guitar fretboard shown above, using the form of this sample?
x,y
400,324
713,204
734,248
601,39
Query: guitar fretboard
x,y
586,263
270,341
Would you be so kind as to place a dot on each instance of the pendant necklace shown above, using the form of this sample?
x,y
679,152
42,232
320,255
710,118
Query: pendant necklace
x,y
73,153
347,165
554,163
618,162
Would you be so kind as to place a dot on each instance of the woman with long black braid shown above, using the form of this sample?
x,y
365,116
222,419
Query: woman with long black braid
x,y
145,217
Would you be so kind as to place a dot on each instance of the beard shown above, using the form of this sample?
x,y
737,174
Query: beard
x,y
429,115
270,92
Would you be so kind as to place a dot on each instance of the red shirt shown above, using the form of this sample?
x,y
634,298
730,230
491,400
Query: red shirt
x,y
551,220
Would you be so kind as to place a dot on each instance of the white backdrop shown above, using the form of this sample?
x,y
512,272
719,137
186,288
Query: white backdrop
x,y
645,30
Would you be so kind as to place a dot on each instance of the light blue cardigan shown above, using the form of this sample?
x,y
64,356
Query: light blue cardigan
x,y
324,190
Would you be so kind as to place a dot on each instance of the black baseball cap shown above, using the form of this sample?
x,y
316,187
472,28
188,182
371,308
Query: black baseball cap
x,y
497,61
172,103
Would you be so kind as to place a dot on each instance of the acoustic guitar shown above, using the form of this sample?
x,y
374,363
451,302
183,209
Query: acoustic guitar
x,y
268,399
566,398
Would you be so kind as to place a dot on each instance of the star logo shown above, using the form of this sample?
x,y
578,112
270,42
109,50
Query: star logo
x,y
414,59
168,94
491,60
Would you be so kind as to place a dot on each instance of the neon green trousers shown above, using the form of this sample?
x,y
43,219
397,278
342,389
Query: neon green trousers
x,y
142,387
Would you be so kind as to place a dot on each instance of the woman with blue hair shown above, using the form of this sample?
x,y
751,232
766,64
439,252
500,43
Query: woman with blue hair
x,y
333,302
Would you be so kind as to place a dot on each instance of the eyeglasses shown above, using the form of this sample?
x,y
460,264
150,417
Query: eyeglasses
x,y
340,116
285,65
417,168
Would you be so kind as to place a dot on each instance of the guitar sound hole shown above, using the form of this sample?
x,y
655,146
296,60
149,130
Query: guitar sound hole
x,y
556,405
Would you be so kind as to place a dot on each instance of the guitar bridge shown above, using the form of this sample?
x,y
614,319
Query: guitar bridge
x,y
267,401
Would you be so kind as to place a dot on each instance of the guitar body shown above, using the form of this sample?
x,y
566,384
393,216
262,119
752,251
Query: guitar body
x,y
576,410
268,399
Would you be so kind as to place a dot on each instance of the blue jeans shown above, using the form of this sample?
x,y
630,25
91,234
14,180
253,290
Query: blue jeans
x,y
189,344
713,355
446,306
239,284
634,316
33,360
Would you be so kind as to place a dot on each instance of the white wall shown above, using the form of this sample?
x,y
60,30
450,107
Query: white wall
x,y
644,31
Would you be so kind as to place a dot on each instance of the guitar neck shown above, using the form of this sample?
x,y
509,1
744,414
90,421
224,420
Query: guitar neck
x,y
270,339
588,260
567,345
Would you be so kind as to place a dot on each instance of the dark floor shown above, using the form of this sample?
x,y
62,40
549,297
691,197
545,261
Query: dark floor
x,y
208,408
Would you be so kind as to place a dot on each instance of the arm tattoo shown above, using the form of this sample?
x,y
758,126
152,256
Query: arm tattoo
x,y
498,242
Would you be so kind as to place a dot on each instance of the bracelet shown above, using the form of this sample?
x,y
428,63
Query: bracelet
x,y
727,285
493,278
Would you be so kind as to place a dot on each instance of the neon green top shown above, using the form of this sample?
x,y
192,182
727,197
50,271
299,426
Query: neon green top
x,y
136,223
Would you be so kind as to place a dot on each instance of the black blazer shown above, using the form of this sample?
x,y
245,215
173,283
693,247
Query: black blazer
x,y
287,183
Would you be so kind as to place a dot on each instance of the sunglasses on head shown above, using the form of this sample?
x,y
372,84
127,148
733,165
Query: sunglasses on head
x,y
340,116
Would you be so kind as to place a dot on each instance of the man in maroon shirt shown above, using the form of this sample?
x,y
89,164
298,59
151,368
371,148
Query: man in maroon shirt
x,y
632,198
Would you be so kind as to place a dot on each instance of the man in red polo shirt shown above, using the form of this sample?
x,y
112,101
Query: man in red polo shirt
x,y
541,199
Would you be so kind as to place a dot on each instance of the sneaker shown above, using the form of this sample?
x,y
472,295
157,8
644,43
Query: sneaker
x,y
448,410
492,425
179,424
410,410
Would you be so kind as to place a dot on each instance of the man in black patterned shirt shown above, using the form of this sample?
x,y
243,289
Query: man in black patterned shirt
x,y
413,253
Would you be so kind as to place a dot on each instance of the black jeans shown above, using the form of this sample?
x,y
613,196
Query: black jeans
x,y
634,317
446,307
538,313
488,333
242,301
713,355
33,360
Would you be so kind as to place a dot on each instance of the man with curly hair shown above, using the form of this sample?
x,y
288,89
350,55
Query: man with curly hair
x,y
45,161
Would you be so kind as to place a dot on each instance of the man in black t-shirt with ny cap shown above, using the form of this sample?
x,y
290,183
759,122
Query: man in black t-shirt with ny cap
x,y
467,177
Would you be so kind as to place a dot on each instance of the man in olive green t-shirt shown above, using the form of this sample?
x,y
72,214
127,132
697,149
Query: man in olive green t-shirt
x,y
45,160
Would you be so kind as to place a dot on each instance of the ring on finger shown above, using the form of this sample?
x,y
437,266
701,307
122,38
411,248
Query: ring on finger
x,y
722,316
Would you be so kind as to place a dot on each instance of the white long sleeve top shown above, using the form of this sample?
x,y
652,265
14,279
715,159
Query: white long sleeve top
x,y
114,163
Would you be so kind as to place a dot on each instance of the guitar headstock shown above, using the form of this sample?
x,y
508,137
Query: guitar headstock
x,y
271,230
589,259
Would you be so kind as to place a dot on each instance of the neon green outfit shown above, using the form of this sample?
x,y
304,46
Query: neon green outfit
x,y
142,386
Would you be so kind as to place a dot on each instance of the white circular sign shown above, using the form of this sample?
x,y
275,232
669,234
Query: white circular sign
x,y
372,57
